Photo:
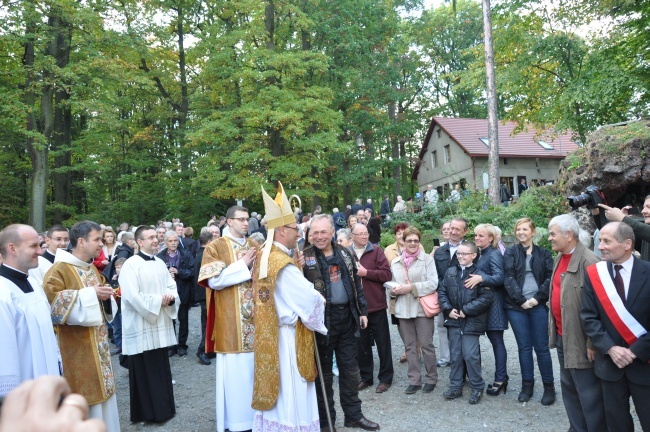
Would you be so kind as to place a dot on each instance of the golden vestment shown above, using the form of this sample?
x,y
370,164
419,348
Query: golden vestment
x,y
84,350
229,327
267,366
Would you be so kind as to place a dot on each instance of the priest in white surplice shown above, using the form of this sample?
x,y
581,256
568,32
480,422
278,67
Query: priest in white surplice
x,y
29,347
287,311
81,305
226,275
149,303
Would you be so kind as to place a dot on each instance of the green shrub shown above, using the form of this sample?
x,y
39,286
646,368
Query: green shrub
x,y
540,204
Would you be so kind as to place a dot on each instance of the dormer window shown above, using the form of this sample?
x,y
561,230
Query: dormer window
x,y
486,142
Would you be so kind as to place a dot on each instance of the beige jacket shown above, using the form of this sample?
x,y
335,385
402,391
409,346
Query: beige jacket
x,y
574,340
423,277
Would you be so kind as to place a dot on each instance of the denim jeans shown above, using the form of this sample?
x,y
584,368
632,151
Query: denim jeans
x,y
530,327
500,355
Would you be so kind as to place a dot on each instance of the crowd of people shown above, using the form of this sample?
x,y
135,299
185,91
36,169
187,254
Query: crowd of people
x,y
287,299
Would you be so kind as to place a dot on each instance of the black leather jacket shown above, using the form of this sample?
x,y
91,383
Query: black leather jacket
x,y
514,264
474,303
316,272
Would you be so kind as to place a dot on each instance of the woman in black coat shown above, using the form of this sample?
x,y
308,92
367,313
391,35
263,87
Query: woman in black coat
x,y
489,272
528,269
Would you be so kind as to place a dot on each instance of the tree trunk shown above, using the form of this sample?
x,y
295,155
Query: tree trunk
x,y
62,121
394,146
493,122
38,151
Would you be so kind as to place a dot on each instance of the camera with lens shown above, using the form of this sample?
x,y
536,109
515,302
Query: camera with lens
x,y
590,198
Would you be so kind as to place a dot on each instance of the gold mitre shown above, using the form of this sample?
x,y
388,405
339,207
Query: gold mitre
x,y
278,212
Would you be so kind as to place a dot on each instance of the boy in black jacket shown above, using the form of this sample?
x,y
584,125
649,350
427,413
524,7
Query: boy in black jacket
x,y
465,312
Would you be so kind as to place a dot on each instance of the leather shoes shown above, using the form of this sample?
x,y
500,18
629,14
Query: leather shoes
x,y
428,388
442,363
382,387
203,358
411,389
182,352
363,385
402,358
475,397
327,429
362,423
116,351
172,352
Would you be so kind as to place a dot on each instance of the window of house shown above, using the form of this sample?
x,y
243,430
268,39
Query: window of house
x,y
434,159
545,145
486,142
447,154
505,161
438,132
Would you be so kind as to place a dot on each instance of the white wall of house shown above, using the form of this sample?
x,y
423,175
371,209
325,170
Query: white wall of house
x,y
461,165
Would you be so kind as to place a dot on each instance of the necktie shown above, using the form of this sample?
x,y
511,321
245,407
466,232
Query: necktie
x,y
618,281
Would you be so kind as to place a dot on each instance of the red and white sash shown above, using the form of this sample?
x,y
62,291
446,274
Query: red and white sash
x,y
626,325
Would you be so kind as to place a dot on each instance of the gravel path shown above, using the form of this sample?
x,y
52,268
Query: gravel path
x,y
396,412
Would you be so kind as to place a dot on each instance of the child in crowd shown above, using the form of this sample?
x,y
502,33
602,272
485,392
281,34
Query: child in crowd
x,y
465,311
117,319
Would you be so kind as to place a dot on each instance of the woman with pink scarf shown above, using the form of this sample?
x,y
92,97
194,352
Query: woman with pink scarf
x,y
414,275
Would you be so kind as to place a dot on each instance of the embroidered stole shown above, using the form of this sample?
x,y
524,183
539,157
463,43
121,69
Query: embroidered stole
x,y
85,351
266,386
624,323
229,327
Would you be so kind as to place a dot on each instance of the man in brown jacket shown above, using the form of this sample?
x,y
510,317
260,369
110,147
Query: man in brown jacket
x,y
581,390
373,269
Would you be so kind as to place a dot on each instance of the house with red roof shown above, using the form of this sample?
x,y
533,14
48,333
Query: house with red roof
x,y
455,150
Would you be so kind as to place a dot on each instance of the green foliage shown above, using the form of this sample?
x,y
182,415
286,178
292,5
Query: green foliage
x,y
539,204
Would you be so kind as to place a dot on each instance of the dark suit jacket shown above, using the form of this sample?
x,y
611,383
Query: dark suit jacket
x,y
443,259
603,334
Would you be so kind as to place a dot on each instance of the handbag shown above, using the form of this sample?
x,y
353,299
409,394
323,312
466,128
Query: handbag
x,y
429,302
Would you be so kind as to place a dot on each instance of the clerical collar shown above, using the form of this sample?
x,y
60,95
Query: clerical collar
x,y
240,240
283,248
48,256
146,256
17,277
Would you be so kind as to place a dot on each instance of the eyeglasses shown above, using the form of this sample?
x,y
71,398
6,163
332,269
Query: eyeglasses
x,y
412,241
241,219
464,253
293,228
361,234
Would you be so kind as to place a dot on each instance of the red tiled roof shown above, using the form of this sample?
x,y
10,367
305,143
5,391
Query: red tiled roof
x,y
468,133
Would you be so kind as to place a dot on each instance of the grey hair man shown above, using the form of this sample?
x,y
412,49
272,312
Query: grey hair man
x,y
581,392
616,316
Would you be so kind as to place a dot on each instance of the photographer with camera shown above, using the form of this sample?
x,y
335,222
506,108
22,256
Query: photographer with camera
x,y
641,229
594,199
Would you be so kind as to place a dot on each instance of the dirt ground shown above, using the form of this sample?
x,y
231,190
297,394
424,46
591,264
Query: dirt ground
x,y
194,392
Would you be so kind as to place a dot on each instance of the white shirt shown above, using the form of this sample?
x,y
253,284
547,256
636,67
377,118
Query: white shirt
x,y
626,273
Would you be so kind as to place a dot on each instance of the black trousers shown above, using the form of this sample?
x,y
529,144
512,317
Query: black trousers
x,y
183,325
342,342
150,386
616,396
204,320
378,330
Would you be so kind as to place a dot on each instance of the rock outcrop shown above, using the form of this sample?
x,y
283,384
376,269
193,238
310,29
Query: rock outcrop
x,y
616,158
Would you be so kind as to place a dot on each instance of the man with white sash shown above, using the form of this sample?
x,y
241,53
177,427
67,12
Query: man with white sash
x,y
616,316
